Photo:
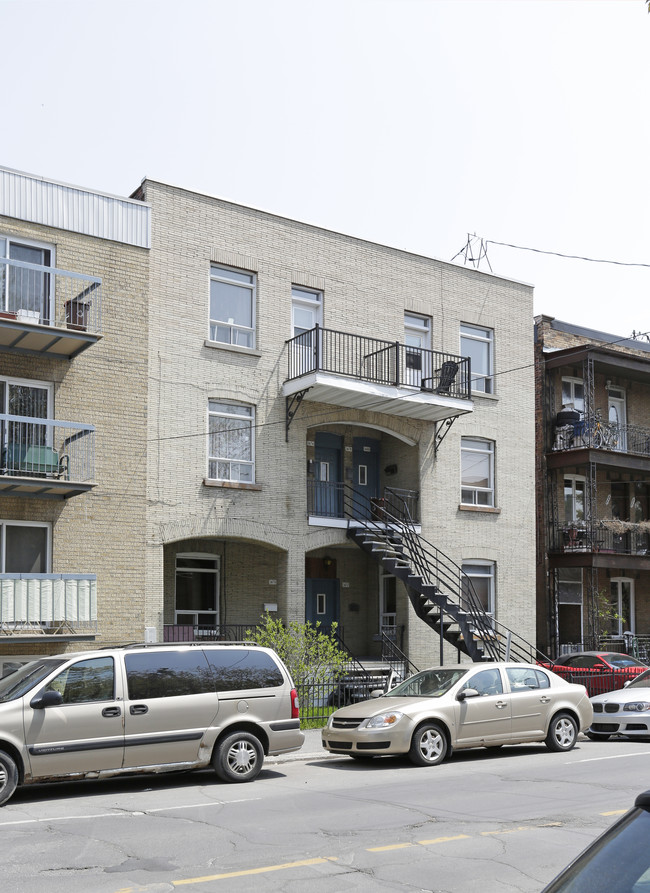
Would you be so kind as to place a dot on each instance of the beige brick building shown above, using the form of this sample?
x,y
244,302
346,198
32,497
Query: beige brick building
x,y
321,354
260,395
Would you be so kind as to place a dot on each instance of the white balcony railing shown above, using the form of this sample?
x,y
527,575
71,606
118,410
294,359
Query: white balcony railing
x,y
46,448
48,604
48,296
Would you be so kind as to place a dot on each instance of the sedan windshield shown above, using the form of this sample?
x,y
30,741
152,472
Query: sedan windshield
x,y
622,660
21,680
428,684
642,681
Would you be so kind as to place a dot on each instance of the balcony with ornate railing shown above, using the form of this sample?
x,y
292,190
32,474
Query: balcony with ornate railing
x,y
34,607
593,433
45,457
45,310
603,536
362,372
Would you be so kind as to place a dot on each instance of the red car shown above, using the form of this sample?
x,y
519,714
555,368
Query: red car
x,y
598,671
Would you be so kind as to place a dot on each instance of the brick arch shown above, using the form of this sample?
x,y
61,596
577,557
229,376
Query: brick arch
x,y
224,528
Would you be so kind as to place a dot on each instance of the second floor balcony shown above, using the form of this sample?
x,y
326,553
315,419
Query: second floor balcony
x,y
593,433
45,458
603,536
45,310
361,372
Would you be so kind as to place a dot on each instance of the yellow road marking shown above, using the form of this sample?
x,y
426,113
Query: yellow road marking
x,y
614,812
443,839
395,846
250,871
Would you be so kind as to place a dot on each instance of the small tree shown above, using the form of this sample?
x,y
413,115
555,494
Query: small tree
x,y
309,652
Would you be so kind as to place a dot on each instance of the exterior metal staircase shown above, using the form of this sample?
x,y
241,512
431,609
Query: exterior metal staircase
x,y
441,594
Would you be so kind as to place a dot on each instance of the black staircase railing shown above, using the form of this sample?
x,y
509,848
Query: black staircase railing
x,y
393,655
440,592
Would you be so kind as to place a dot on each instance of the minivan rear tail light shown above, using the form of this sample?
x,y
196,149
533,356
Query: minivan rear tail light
x,y
295,706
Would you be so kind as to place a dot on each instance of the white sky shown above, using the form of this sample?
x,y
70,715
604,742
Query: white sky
x,y
407,122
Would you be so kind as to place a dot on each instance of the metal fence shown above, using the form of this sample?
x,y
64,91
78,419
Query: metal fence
x,y
34,447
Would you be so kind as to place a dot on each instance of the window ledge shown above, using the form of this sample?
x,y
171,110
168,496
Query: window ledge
x,y
485,396
234,348
479,508
231,485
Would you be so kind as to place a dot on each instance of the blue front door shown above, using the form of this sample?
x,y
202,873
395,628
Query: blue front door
x,y
365,457
322,604
328,495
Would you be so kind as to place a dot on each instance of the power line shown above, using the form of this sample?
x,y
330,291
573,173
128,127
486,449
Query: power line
x,y
593,260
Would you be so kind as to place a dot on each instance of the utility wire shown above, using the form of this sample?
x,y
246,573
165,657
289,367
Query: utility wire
x,y
593,260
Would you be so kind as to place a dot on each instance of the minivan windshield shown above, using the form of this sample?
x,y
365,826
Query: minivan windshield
x,y
16,684
428,684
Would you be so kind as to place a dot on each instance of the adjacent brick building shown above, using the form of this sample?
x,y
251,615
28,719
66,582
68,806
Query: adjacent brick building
x,y
593,489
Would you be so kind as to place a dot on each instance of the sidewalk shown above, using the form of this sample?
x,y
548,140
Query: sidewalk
x,y
311,750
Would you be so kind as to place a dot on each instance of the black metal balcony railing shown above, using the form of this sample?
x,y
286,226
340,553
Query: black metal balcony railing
x,y
600,538
328,499
592,433
378,361
220,632
47,296
46,448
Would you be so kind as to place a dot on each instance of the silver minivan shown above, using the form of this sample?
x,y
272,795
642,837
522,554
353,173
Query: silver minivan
x,y
146,708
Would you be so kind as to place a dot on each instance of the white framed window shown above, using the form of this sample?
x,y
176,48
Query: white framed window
x,y
477,472
25,547
28,399
482,575
573,393
232,306
197,589
574,498
231,448
477,343
25,291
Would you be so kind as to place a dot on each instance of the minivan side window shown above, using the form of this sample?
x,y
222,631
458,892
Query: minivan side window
x,y
237,669
167,674
87,680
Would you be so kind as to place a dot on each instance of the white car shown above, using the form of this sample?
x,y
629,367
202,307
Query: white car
x,y
625,711
474,705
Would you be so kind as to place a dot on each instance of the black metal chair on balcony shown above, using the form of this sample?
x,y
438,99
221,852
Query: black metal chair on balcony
x,y
448,372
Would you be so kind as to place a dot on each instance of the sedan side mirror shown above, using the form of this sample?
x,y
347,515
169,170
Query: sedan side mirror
x,y
377,693
467,693
48,698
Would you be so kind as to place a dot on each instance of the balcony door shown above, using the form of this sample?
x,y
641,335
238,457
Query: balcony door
x,y
617,417
306,313
26,291
30,400
417,338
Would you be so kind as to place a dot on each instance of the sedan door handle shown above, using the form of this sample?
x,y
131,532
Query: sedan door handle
x,y
137,709
500,704
111,711
544,700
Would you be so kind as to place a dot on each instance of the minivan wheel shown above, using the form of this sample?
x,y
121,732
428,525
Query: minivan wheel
x,y
238,757
428,745
562,733
8,777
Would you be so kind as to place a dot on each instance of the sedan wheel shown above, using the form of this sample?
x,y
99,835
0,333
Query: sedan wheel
x,y
428,745
239,757
562,733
